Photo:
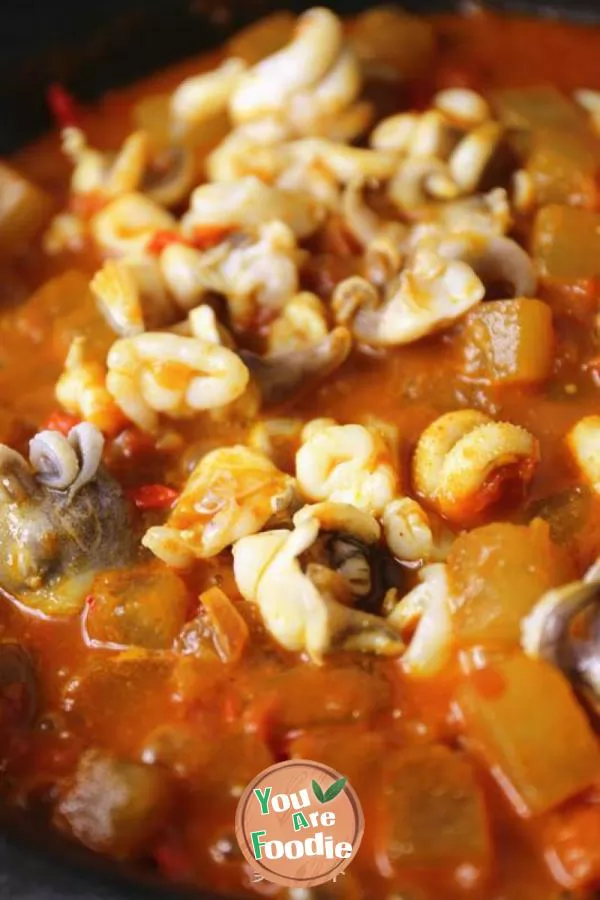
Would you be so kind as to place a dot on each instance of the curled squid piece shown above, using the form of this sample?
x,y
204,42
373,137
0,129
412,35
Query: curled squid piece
x,y
126,225
384,241
105,173
347,464
177,376
496,260
202,322
462,106
132,295
170,176
435,132
249,203
343,162
256,275
165,177
471,156
81,389
411,533
443,152
306,603
200,99
464,460
316,168
311,176
477,216
584,443
416,135
301,323
311,85
232,492
424,619
428,296
249,151
419,181
361,220
286,374
63,519
564,629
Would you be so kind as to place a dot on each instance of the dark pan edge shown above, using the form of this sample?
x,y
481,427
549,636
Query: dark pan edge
x,y
102,44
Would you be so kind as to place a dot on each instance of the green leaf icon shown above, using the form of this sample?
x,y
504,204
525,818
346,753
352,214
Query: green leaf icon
x,y
334,789
318,791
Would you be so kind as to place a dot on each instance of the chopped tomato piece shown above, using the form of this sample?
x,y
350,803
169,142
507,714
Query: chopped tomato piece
x,y
153,496
132,442
433,812
60,421
532,734
509,342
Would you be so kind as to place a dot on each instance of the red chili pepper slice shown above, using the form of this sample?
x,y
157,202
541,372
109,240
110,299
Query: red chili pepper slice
x,y
62,106
60,421
153,496
135,443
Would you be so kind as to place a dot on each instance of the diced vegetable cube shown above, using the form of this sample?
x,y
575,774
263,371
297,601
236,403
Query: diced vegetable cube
x,y
497,574
114,806
564,168
555,136
434,811
509,342
24,210
348,748
103,695
522,716
301,697
566,243
234,761
538,108
143,607
62,308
